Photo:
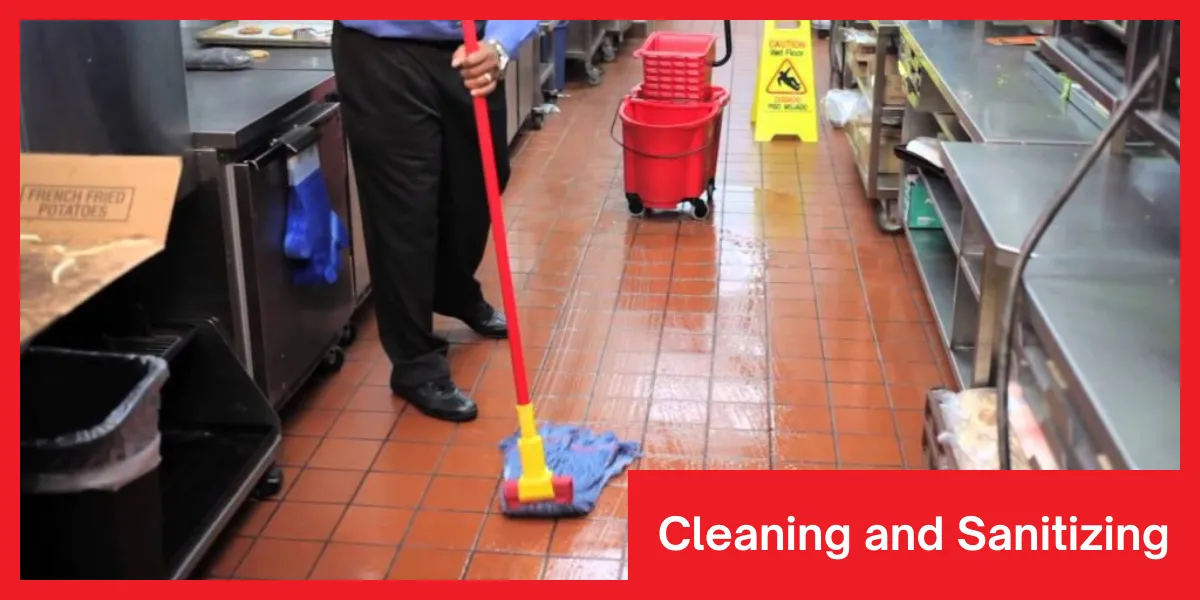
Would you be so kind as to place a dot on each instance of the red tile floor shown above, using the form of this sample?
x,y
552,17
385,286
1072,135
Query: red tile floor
x,y
785,333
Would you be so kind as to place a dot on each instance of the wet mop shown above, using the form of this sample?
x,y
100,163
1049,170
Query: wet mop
x,y
554,470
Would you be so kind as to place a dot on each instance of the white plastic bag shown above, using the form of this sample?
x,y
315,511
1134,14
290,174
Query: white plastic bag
x,y
858,36
842,106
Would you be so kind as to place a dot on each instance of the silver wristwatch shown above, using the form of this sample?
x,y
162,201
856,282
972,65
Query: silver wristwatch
x,y
501,54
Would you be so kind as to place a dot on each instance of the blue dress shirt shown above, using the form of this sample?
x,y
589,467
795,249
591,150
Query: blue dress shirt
x,y
509,34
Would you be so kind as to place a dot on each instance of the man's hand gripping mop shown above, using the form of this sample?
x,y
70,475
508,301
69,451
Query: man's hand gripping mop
x,y
557,470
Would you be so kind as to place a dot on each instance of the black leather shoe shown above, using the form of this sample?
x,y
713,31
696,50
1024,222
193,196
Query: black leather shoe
x,y
441,400
488,322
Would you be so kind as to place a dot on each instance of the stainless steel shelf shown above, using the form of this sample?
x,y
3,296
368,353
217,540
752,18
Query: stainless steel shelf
x,y
887,185
1126,210
960,363
1103,288
1101,85
892,113
936,260
837,52
1114,338
1077,96
972,269
949,127
1161,127
1114,28
883,188
997,97
937,265
948,207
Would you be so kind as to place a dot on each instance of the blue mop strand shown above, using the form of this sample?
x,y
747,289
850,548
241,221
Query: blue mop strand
x,y
590,459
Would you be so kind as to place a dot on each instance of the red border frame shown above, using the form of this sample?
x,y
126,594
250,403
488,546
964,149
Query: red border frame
x,y
857,496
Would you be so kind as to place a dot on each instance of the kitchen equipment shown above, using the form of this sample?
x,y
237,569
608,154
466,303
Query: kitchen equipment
x,y
512,101
584,40
1007,325
300,34
282,332
528,83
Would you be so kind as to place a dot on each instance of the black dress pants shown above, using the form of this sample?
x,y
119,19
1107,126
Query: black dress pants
x,y
410,124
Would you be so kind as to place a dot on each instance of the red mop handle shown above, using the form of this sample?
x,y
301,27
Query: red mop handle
x,y
499,231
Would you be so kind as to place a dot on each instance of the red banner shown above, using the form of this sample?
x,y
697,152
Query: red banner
x,y
1073,531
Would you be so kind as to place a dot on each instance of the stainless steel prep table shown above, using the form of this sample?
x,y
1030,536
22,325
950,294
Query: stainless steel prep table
x,y
1113,338
246,125
1103,295
996,95
1128,208
960,87
230,109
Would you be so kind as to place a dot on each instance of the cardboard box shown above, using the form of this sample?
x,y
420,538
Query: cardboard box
x,y
860,45
889,138
861,51
893,82
86,221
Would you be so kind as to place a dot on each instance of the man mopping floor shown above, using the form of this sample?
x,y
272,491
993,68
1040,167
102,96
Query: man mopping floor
x,y
557,470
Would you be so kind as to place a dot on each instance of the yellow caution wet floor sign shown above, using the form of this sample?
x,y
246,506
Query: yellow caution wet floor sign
x,y
785,96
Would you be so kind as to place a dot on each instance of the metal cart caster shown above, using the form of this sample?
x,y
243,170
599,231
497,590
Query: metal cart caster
x,y
636,207
594,76
700,209
270,485
608,50
887,217
349,334
334,360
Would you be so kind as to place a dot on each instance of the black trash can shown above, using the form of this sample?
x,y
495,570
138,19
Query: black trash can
x,y
91,507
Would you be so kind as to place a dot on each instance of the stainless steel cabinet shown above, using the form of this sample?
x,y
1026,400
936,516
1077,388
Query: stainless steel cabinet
x,y
512,103
289,327
529,89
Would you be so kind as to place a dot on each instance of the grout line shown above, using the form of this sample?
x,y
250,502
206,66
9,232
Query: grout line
x,y
717,214
829,397
887,388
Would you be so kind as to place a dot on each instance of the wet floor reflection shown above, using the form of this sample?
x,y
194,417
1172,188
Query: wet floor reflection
x,y
785,332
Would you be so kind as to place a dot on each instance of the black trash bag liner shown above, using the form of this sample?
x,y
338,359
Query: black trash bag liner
x,y
89,420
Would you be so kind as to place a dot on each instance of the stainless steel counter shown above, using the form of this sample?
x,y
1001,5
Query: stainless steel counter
x,y
995,93
1126,210
231,109
1114,332
1103,287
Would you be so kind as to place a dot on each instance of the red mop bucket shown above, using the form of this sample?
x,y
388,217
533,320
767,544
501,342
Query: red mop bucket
x,y
720,96
670,153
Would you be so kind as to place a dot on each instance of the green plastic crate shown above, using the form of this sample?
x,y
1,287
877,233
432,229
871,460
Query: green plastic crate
x,y
919,210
